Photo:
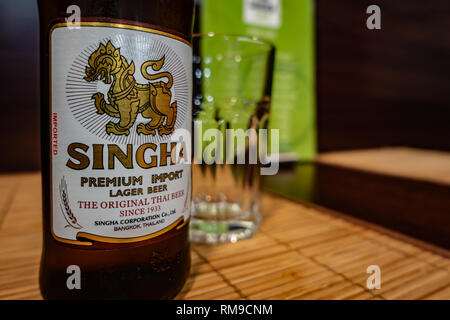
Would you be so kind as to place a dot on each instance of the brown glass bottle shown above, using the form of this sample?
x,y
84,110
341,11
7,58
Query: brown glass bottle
x,y
145,267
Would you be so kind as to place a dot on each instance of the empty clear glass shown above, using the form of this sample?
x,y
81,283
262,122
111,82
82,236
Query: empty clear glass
x,y
232,88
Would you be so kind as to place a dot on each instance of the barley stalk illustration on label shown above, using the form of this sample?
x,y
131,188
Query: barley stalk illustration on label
x,y
65,206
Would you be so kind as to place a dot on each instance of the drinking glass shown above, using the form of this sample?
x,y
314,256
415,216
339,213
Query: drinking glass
x,y
232,78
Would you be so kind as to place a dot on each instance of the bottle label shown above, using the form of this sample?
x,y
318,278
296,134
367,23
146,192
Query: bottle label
x,y
263,13
119,95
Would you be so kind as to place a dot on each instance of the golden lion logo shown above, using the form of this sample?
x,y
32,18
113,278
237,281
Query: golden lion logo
x,y
127,98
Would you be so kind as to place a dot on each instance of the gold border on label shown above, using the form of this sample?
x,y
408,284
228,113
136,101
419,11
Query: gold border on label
x,y
123,26
176,224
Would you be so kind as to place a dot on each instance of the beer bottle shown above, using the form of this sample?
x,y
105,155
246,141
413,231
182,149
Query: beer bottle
x,y
115,92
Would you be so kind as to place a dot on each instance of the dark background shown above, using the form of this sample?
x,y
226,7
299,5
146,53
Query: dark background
x,y
387,87
19,113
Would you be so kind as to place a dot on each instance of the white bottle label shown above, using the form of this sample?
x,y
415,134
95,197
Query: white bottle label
x,y
119,94
263,13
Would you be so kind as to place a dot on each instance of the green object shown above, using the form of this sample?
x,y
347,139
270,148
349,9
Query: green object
x,y
235,73
210,227
289,25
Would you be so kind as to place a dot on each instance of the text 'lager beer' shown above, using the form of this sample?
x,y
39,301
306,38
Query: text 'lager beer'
x,y
115,94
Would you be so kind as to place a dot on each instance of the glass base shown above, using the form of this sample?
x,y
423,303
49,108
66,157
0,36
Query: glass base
x,y
209,228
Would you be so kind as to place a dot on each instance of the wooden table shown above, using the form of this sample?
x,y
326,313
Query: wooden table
x,y
402,189
301,252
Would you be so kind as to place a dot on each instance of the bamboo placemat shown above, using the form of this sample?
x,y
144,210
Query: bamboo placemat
x,y
299,253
